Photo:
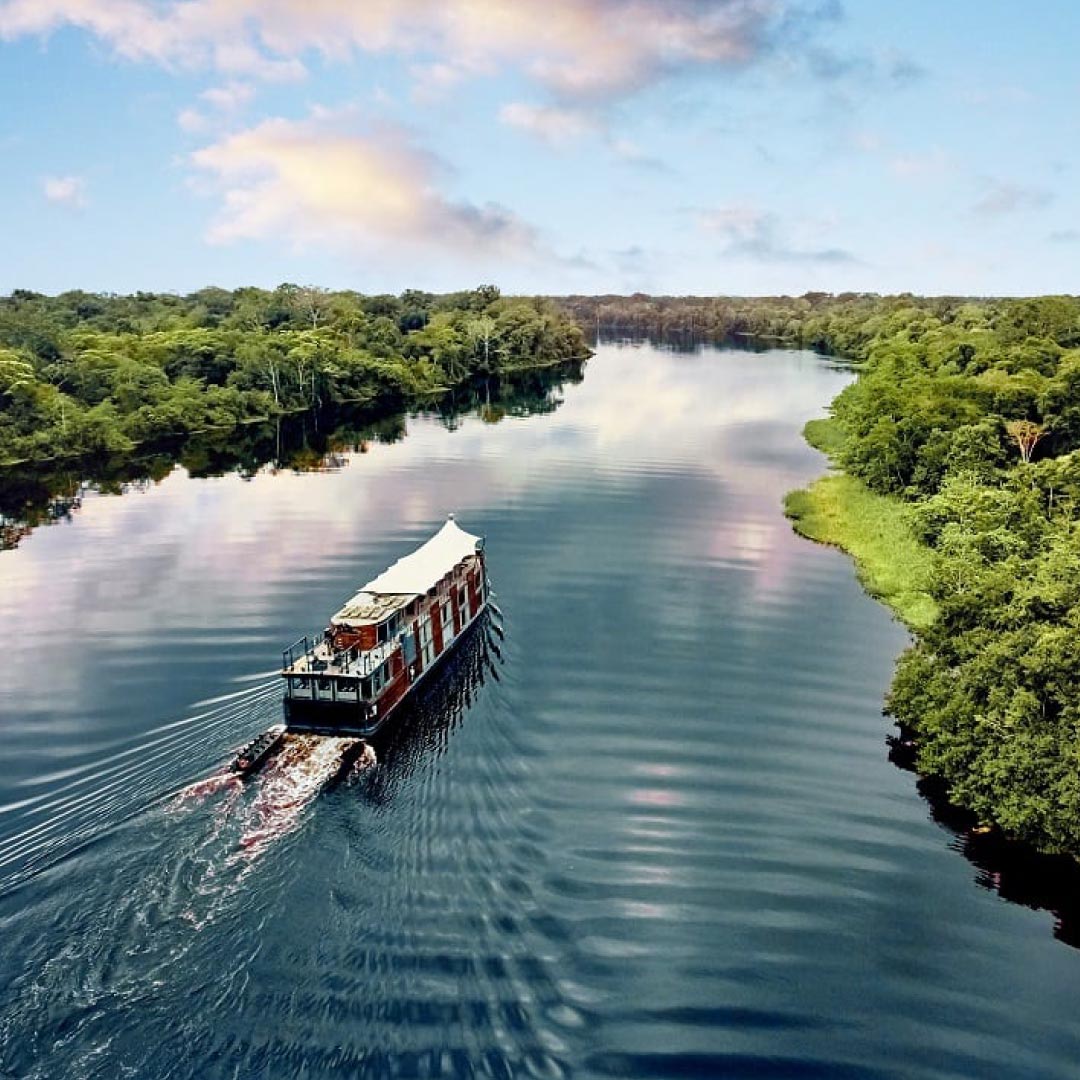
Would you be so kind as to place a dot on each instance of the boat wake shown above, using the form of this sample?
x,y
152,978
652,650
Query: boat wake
x,y
211,785
65,810
285,785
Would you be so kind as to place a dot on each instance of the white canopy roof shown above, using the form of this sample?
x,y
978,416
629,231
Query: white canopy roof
x,y
416,573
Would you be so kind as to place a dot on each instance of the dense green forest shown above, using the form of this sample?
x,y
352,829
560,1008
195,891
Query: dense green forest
x,y
83,373
966,418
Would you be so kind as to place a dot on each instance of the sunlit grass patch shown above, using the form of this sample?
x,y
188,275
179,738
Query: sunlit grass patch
x,y
876,531
824,435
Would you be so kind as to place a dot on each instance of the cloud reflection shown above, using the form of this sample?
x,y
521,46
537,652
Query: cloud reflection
x,y
638,417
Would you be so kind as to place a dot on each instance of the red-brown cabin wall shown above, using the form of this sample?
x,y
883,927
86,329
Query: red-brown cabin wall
x,y
455,608
436,624
474,591
393,692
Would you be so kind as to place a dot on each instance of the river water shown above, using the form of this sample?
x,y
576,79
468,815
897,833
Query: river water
x,y
653,831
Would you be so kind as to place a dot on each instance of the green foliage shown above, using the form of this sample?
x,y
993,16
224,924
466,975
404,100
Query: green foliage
x,y
825,435
892,563
83,373
961,438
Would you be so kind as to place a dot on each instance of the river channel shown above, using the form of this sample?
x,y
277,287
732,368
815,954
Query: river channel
x,y
652,831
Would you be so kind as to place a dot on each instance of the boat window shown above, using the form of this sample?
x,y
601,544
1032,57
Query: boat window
x,y
365,688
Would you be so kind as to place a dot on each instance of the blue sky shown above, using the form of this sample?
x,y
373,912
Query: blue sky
x,y
675,146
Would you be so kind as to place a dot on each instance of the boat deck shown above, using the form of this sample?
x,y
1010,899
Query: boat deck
x,y
317,657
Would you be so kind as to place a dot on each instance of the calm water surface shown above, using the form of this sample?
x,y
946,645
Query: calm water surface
x,y
652,832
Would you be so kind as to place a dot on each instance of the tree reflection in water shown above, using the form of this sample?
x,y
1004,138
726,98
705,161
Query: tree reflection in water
x,y
314,441
1014,870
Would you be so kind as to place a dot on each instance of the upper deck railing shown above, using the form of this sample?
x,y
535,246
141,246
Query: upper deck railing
x,y
323,659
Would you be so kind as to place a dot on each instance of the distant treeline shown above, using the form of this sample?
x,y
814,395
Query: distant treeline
x,y
87,373
841,323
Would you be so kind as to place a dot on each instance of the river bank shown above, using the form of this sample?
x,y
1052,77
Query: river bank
x,y
875,530
957,471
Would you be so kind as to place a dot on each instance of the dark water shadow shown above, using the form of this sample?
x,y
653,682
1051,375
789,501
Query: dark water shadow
x,y
1016,871
424,723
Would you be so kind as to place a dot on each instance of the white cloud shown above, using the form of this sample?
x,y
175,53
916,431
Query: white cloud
x,y
192,121
229,98
739,222
579,49
65,190
554,125
325,181
560,126
868,142
224,103
1002,199
933,163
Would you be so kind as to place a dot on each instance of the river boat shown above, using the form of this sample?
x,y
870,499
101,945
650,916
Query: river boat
x,y
387,638
250,757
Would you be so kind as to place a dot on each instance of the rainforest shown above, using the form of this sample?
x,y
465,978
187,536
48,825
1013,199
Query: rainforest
x,y
88,374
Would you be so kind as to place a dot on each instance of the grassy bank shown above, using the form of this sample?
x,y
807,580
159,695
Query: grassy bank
x,y
875,530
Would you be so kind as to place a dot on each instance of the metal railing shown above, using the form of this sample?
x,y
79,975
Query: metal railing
x,y
352,661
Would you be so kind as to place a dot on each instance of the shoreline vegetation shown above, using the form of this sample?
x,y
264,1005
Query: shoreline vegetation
x,y
957,489
83,374
839,510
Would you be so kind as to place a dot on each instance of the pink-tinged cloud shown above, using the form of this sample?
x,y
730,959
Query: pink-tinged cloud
x,y
230,97
192,121
321,181
64,190
579,49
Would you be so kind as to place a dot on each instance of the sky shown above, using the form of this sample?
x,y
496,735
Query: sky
x,y
548,146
